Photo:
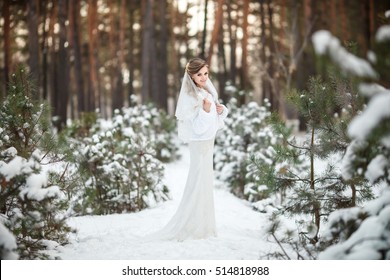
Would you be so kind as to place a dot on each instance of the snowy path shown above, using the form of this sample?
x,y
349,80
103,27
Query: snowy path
x,y
119,237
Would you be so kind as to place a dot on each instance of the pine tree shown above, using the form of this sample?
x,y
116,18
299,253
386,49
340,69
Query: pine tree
x,y
33,205
119,161
311,190
247,134
364,232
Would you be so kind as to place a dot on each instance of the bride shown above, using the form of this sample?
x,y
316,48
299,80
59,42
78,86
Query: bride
x,y
199,116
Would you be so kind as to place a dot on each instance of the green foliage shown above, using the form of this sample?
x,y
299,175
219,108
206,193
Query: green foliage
x,y
275,169
95,166
246,136
81,127
293,241
33,205
25,121
119,162
158,128
363,232
306,171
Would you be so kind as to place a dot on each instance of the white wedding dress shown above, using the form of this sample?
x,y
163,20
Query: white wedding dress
x,y
195,218
195,215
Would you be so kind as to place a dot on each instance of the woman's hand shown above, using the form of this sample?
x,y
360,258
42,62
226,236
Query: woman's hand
x,y
219,109
206,105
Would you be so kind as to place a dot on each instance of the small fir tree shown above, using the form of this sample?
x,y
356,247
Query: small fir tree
x,y
247,134
119,161
312,189
364,232
33,205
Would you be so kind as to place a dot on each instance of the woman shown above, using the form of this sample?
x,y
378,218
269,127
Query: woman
x,y
199,116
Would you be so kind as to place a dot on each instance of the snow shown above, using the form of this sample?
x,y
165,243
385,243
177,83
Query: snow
x,y
36,188
324,42
7,243
370,89
380,203
376,111
13,168
321,40
376,168
365,243
385,141
371,56
10,152
383,34
240,229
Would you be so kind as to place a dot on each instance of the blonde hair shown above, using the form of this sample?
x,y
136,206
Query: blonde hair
x,y
194,65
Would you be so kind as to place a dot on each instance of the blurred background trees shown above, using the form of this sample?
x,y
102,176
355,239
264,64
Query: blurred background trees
x,y
95,54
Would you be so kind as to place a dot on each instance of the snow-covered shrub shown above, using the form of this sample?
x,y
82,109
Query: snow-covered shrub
x,y
361,232
7,244
122,174
364,233
121,161
247,135
154,126
33,206
310,174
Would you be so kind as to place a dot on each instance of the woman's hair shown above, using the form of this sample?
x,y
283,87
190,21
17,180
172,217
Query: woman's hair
x,y
194,65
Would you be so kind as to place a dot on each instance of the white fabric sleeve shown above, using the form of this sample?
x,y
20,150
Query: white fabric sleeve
x,y
222,117
202,122
224,113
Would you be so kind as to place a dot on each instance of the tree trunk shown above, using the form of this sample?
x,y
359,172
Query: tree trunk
x,y
203,46
7,45
296,43
93,94
78,59
343,21
33,42
316,207
221,64
146,42
72,83
333,18
233,43
44,49
372,20
282,29
217,25
131,51
121,59
276,99
163,61
244,47
51,56
153,67
113,50
63,65
362,31
265,85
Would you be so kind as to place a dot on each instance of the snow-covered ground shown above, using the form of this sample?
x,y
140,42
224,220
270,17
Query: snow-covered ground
x,y
241,233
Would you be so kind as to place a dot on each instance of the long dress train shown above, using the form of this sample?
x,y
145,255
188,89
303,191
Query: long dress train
x,y
195,218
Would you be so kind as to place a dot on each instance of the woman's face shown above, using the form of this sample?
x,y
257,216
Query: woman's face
x,y
201,77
